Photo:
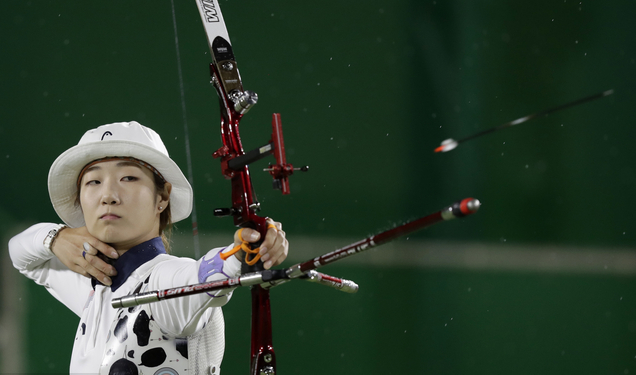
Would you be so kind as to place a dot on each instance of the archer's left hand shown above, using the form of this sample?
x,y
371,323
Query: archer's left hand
x,y
274,248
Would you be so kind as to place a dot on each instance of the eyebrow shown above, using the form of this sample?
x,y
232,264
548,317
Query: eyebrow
x,y
120,164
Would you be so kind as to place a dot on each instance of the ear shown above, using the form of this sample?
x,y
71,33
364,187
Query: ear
x,y
164,197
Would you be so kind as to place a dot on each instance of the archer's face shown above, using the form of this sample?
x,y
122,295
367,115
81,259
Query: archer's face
x,y
120,203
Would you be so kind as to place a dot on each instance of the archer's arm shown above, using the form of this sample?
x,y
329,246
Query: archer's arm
x,y
35,261
181,316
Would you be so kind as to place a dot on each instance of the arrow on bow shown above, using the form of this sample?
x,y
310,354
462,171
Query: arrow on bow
x,y
306,270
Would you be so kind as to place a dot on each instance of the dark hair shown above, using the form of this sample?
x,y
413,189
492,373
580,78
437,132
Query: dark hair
x,y
165,218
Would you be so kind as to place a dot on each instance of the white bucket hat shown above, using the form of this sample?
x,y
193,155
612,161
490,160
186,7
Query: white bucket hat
x,y
121,139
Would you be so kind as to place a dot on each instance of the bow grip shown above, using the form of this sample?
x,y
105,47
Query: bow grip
x,y
260,225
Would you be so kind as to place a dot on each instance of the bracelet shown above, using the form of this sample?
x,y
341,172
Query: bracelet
x,y
52,235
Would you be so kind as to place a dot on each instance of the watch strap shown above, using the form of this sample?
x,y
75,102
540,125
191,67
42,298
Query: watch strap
x,y
50,237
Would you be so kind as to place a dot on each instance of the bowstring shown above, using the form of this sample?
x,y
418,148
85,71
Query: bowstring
x,y
195,229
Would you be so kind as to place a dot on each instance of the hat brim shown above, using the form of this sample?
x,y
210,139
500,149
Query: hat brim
x,y
62,180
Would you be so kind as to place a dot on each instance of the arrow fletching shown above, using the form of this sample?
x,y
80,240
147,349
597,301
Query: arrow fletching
x,y
447,145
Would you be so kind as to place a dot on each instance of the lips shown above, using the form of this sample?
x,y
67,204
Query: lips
x,y
109,216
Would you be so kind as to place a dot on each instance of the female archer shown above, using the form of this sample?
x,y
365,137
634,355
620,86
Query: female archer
x,y
118,192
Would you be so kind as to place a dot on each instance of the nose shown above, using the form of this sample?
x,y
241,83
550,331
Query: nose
x,y
110,195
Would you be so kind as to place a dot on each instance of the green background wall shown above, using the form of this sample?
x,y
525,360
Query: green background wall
x,y
366,89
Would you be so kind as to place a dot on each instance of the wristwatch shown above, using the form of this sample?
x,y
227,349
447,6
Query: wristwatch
x,y
50,237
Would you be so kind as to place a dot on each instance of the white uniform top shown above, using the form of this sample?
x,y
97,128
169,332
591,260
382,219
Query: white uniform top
x,y
102,335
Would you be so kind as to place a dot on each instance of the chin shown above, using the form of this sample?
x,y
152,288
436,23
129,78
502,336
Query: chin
x,y
121,235
111,239
110,235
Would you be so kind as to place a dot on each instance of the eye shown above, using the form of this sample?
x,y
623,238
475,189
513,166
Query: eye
x,y
92,182
130,178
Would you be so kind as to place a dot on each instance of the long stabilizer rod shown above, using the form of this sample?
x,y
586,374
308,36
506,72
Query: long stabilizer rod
x,y
458,209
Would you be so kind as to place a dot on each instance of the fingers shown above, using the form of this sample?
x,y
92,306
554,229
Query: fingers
x,y
278,225
98,269
93,246
96,266
81,253
246,234
88,250
277,254
274,248
85,268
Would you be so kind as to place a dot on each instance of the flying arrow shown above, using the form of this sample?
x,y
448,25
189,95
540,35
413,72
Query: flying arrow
x,y
451,144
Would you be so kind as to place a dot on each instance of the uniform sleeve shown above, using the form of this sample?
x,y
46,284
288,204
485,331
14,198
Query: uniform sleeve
x,y
181,316
32,259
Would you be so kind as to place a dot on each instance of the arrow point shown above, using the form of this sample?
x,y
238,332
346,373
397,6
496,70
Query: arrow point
x,y
447,145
